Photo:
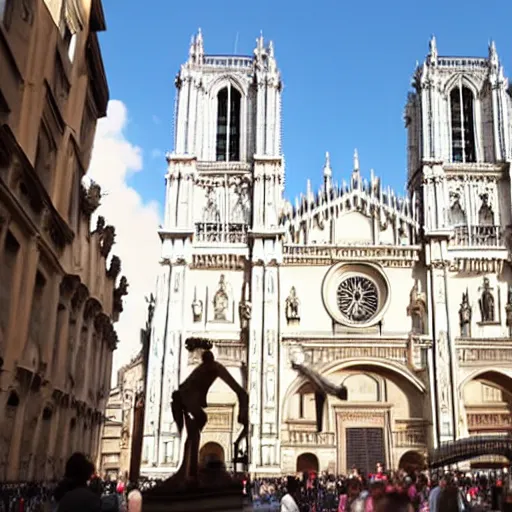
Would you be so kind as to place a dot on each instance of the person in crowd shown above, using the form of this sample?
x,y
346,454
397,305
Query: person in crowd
x,y
289,500
354,489
435,492
73,494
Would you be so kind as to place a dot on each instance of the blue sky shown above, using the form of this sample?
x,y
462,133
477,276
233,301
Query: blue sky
x,y
346,67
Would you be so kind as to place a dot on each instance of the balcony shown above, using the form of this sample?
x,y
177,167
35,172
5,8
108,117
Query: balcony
x,y
308,438
410,438
477,236
217,233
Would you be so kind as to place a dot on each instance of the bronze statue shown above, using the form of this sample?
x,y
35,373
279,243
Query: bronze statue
x,y
188,404
322,388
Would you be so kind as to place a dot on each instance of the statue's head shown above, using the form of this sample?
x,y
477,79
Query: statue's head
x,y
208,356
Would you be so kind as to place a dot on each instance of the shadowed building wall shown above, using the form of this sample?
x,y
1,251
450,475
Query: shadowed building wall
x,y
58,297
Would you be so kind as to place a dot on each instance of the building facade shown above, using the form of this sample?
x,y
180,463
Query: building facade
x,y
58,297
121,415
404,300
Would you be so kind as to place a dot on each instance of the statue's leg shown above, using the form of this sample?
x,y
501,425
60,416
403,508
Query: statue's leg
x,y
199,421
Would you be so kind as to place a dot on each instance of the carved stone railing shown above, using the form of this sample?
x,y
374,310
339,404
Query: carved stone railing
x,y
463,62
228,62
483,421
477,236
410,438
213,232
308,438
476,351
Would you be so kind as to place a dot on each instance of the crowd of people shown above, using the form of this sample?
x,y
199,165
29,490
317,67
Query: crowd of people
x,y
82,490
386,492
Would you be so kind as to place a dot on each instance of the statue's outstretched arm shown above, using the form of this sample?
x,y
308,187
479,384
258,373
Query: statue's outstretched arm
x,y
241,393
317,380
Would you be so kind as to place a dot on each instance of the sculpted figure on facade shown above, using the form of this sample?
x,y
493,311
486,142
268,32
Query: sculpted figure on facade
x,y
211,211
270,387
485,214
197,308
457,216
188,404
465,313
241,212
245,311
417,309
292,306
487,304
221,301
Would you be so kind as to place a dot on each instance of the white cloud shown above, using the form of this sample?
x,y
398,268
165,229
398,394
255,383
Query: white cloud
x,y
114,160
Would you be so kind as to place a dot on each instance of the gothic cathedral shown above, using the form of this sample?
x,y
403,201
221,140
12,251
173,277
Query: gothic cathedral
x,y
406,301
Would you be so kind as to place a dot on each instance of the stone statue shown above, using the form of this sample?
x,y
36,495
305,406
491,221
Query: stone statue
x,y
292,306
487,309
188,404
220,301
465,312
211,212
107,240
197,308
322,388
245,311
485,214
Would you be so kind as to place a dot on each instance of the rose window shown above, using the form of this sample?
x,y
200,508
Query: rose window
x,y
358,298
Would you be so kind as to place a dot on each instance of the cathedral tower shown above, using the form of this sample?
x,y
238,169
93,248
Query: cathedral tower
x,y
459,147
223,200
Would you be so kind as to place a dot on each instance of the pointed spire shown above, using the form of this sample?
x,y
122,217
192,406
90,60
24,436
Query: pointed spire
x,y
192,48
199,45
493,55
271,49
356,161
327,172
432,51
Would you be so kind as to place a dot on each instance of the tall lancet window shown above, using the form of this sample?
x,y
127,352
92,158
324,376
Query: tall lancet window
x,y
463,133
228,125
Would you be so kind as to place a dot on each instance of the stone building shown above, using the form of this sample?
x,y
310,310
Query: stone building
x,y
124,402
58,296
407,301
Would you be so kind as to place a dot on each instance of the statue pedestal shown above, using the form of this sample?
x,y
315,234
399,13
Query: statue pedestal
x,y
215,492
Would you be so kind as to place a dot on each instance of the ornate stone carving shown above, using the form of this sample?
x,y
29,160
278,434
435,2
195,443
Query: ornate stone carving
x,y
115,267
394,257
486,302
193,344
457,216
197,308
477,265
120,292
218,261
485,213
211,211
221,301
465,313
292,307
245,312
107,240
417,309
270,387
90,198
357,298
442,372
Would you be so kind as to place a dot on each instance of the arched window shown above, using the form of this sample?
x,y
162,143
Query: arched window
x,y
463,133
228,125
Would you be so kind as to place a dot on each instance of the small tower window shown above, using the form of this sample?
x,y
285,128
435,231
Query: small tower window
x,y
463,134
228,125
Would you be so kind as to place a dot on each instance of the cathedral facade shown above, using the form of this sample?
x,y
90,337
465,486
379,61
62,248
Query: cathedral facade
x,y
404,300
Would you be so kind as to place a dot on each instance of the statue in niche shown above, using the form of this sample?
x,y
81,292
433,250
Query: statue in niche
x,y
456,215
292,306
221,301
197,308
487,306
322,387
211,211
465,312
242,208
188,404
416,309
245,311
270,385
485,214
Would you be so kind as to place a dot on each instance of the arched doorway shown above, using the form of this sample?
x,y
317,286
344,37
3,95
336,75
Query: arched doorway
x,y
307,462
412,461
211,452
